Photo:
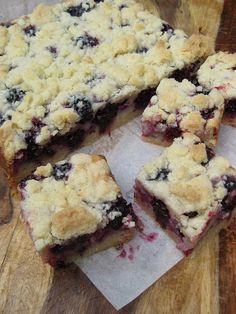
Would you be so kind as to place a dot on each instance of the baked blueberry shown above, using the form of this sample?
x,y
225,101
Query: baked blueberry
x,y
82,106
79,10
14,95
162,175
87,41
60,171
30,30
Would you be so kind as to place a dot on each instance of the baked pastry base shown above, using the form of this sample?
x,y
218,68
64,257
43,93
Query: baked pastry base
x,y
112,239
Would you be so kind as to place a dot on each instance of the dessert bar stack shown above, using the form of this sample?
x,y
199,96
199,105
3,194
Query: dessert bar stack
x,y
73,71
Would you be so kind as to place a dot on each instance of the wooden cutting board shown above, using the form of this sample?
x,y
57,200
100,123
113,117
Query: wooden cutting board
x,y
205,282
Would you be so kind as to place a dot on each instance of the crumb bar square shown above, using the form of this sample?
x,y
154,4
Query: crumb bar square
x,y
187,190
180,107
74,209
219,72
71,71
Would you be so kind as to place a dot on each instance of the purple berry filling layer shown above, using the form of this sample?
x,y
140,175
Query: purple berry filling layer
x,y
89,122
167,221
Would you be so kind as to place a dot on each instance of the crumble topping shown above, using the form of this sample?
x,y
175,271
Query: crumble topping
x,y
219,72
186,107
190,181
63,59
72,198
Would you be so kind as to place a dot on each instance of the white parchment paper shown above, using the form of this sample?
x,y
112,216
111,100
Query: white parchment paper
x,y
146,258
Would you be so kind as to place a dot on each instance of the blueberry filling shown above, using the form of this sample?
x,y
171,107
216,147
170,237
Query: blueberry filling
x,y
230,184
52,50
60,171
229,201
167,28
74,139
208,113
161,212
173,131
6,24
210,155
30,30
122,6
2,120
87,41
105,116
81,243
83,107
14,95
79,10
121,206
189,73
230,106
162,175
98,1
142,50
191,214
144,97
33,149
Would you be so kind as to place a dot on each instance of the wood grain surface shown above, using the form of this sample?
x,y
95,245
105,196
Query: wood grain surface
x,y
205,282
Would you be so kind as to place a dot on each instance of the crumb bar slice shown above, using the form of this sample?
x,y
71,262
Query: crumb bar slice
x,y
71,71
75,208
180,107
219,72
187,190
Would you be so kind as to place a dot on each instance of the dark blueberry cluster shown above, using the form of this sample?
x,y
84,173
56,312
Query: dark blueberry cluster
x,y
191,214
6,24
86,41
14,95
229,201
2,120
173,131
83,107
162,175
189,73
52,50
123,6
79,10
105,116
98,1
208,113
144,97
121,206
142,50
167,28
30,136
230,106
60,171
161,212
30,30
210,155
230,183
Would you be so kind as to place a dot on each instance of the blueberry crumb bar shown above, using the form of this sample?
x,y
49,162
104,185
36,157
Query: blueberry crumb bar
x,y
187,190
70,71
75,208
219,72
180,107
